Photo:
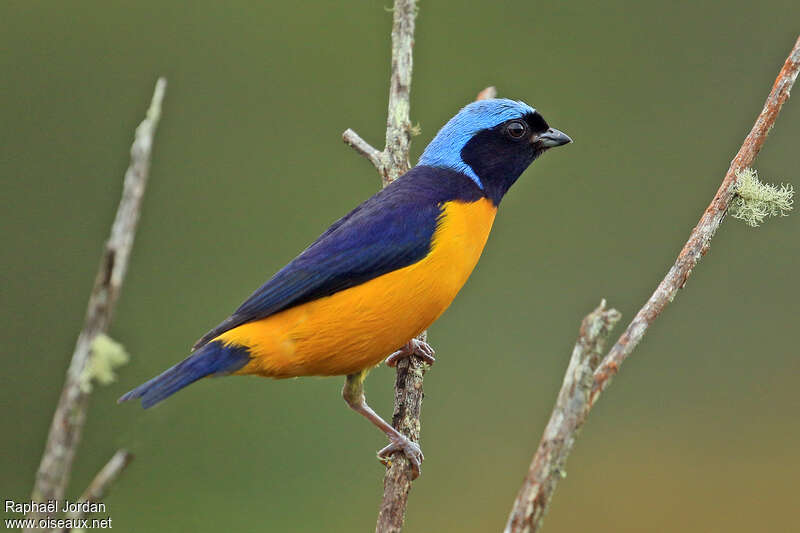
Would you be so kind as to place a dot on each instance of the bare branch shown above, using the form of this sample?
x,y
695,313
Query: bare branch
x,y
562,429
102,482
570,412
70,415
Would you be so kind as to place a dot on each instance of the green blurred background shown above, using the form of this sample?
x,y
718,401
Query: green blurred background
x,y
699,432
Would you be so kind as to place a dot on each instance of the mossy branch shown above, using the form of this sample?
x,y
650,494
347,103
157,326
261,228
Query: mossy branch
x,y
70,415
575,401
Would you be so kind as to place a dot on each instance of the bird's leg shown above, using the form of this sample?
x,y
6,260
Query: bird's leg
x,y
412,347
353,394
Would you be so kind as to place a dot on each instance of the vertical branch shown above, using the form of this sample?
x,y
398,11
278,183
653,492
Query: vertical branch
x,y
408,395
391,163
547,466
410,371
70,415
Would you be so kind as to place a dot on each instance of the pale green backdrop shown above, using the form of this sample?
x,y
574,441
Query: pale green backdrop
x,y
698,434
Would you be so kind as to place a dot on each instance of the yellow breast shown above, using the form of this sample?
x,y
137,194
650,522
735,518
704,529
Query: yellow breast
x,y
356,328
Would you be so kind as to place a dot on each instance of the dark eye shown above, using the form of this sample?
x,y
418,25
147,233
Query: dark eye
x,y
516,129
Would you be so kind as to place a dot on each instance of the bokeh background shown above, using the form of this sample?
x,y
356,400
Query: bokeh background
x,y
699,433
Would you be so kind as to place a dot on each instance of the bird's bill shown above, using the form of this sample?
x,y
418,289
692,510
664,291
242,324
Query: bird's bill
x,y
553,137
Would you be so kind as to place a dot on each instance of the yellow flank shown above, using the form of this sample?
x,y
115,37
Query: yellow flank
x,y
356,328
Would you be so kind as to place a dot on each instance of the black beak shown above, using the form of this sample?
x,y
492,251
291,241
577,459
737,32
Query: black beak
x,y
552,138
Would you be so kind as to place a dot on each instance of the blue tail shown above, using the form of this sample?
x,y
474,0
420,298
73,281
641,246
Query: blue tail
x,y
215,358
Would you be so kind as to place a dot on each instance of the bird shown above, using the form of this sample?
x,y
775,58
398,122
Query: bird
x,y
380,275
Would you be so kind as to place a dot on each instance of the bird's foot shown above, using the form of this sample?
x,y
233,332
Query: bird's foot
x,y
412,451
412,347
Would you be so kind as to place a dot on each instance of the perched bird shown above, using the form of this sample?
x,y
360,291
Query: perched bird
x,y
380,275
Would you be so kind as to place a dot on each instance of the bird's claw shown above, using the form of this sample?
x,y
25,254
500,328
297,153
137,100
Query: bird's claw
x,y
410,449
413,347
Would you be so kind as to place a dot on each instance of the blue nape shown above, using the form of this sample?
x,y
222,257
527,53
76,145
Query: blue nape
x,y
444,151
212,359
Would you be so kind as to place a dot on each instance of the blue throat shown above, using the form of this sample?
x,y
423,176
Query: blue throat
x,y
445,149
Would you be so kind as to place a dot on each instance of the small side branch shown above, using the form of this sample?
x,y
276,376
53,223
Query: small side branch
x,y
487,94
70,415
354,140
102,482
547,466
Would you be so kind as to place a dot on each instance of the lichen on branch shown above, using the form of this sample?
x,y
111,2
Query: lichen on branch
x,y
756,200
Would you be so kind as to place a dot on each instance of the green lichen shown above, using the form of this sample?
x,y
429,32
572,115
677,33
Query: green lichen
x,y
755,201
106,355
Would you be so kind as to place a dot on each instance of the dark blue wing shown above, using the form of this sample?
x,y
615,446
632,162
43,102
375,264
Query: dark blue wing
x,y
391,230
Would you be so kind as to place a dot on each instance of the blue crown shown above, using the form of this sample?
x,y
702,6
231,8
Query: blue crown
x,y
444,151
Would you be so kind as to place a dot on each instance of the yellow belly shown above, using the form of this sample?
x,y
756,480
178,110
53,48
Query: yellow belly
x,y
356,328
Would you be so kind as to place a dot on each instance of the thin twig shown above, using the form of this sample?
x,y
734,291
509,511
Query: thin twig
x,y
353,139
102,482
70,415
562,429
487,94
